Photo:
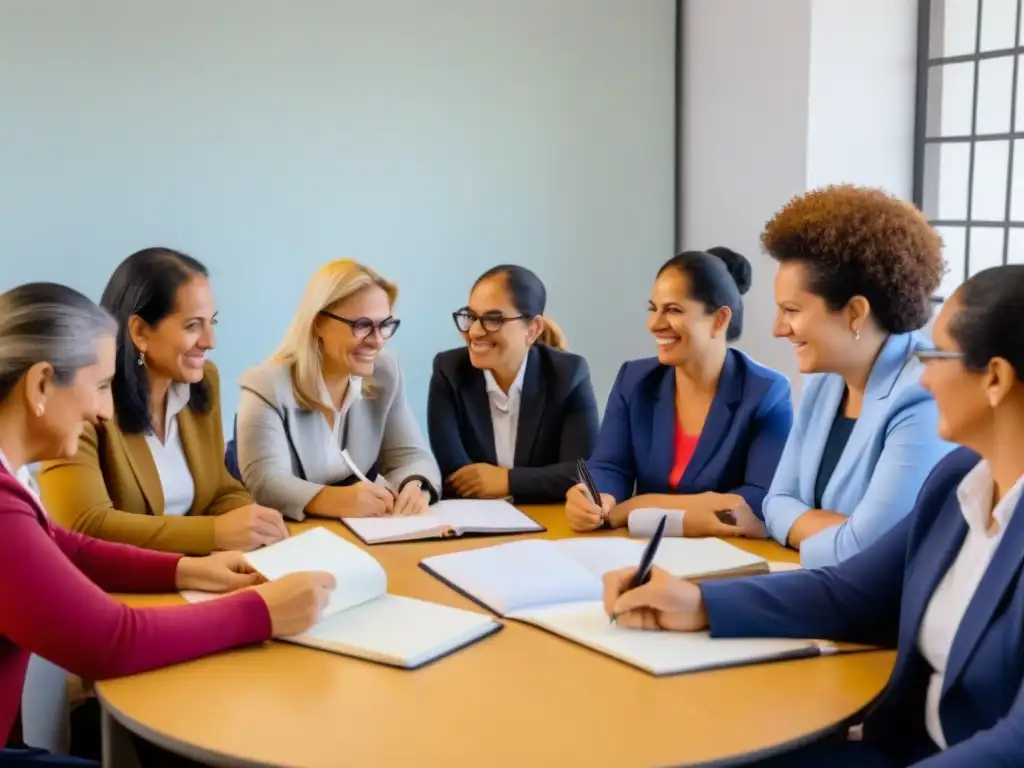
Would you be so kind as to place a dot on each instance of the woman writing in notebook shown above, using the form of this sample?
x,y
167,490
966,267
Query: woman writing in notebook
x,y
57,359
699,429
944,586
511,411
153,475
329,388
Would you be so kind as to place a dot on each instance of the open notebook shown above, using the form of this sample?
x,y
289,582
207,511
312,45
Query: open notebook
x,y
443,520
362,619
556,585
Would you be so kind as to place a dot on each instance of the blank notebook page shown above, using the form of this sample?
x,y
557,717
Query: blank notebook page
x,y
483,515
656,651
400,628
684,558
392,526
358,575
521,574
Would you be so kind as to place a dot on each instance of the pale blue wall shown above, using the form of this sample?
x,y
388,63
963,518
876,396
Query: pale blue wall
x,y
429,139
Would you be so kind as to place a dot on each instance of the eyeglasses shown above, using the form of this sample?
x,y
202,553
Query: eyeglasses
x,y
363,326
924,355
491,321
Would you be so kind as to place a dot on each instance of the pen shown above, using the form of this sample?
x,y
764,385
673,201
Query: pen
x,y
589,485
356,471
643,571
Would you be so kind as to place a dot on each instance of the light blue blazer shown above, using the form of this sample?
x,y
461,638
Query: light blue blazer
x,y
891,450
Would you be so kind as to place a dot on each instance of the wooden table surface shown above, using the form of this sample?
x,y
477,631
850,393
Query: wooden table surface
x,y
520,697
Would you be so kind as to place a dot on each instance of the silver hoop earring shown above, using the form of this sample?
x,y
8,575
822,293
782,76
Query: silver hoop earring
x,y
142,359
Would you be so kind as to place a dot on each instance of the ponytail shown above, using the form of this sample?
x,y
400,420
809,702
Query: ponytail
x,y
552,336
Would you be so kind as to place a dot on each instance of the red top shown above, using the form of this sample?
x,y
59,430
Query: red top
x,y
53,604
685,446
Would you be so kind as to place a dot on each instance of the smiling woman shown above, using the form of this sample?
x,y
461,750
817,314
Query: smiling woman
x,y
698,428
329,408
857,269
152,474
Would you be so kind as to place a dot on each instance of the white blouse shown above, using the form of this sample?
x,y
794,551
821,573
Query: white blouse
x,y
949,602
505,415
175,476
337,469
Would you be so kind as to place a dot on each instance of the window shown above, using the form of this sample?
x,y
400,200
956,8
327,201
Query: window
x,y
969,151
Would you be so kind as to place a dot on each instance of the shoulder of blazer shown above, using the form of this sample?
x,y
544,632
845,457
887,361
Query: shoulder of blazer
x,y
452,361
942,481
641,377
759,379
387,373
272,382
212,378
563,370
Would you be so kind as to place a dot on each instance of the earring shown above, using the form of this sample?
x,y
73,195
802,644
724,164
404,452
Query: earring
x,y
856,335
142,359
39,411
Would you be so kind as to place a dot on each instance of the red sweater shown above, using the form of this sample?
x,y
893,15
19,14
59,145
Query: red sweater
x,y
54,603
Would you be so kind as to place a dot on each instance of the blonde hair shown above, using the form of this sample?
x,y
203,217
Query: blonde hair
x,y
552,335
300,348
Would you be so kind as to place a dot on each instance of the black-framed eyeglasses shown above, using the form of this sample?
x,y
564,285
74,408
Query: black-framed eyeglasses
x,y
924,355
491,321
363,326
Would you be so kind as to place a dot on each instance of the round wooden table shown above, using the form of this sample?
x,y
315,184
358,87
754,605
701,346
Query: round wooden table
x,y
520,697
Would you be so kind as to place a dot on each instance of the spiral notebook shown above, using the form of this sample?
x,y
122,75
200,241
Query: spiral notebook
x,y
556,585
362,619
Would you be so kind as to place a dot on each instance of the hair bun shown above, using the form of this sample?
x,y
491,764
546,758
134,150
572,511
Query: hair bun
x,y
737,265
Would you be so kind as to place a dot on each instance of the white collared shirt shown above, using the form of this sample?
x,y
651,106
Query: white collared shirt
x,y
23,476
176,479
337,469
505,415
949,602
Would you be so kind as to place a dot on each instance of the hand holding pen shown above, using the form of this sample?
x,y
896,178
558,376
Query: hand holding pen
x,y
586,509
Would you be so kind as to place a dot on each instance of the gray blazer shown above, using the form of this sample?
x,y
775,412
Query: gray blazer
x,y
286,475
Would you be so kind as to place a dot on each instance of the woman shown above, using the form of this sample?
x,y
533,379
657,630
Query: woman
x,y
154,474
857,269
57,352
700,427
511,412
328,412
945,586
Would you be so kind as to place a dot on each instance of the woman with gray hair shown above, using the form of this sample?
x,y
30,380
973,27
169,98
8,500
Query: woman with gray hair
x,y
56,363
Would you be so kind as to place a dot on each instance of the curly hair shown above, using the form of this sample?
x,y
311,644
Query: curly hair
x,y
857,241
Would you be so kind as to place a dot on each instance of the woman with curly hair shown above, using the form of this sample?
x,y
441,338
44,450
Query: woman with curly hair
x,y
857,269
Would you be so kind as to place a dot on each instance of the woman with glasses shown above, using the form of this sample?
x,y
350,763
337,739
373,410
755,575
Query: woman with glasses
x,y
944,586
154,475
324,427
510,413
698,430
857,269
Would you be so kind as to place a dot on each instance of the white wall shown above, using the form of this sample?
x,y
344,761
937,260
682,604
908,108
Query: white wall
x,y
780,97
431,140
744,137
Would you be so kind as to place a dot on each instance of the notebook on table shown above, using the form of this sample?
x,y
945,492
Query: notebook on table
x,y
556,585
362,619
455,517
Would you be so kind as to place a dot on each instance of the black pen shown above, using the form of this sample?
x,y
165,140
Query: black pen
x,y
643,571
588,482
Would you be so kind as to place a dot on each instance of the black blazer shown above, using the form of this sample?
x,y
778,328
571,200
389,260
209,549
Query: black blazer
x,y
558,421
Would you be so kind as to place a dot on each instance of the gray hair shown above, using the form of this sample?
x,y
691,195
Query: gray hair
x,y
48,323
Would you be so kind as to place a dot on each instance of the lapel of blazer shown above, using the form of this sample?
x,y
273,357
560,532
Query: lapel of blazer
x,y
478,411
716,425
934,556
663,428
140,459
892,358
531,408
192,446
1001,573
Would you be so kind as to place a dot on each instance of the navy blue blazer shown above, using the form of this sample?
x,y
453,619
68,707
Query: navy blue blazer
x,y
739,446
879,597
558,421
